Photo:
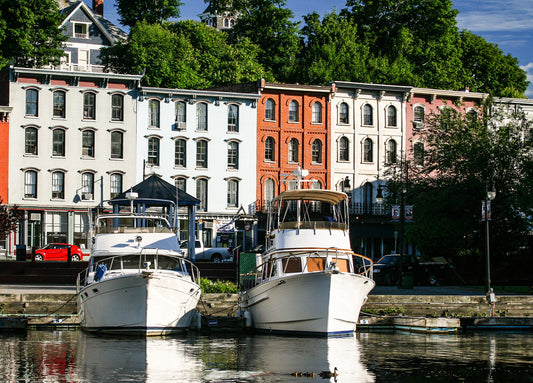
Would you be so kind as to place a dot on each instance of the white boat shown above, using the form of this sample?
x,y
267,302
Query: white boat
x,y
137,281
308,280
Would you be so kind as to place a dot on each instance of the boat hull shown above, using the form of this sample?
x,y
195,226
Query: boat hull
x,y
319,303
139,303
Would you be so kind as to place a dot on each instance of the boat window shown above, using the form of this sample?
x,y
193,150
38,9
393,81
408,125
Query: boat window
x,y
292,265
315,264
342,264
168,263
128,262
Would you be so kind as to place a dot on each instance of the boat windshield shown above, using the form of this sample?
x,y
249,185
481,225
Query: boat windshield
x,y
140,261
129,223
307,213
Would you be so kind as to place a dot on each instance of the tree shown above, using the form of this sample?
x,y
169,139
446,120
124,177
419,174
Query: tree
x,y
9,218
464,154
30,33
150,11
184,54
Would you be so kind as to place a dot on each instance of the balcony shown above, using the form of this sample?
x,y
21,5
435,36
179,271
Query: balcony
x,y
369,209
78,68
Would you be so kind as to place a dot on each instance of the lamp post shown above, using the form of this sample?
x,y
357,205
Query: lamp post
x,y
486,215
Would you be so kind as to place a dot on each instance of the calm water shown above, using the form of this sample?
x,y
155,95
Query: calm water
x,y
74,356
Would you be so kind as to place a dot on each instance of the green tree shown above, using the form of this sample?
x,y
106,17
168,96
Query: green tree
x,y
487,69
30,33
9,218
150,11
464,155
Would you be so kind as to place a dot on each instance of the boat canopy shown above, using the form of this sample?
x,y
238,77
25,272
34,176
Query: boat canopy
x,y
328,196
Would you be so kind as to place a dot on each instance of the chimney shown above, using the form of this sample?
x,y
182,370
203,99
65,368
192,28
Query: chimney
x,y
98,7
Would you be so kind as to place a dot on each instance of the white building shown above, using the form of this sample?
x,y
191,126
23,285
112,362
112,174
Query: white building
x,y
205,141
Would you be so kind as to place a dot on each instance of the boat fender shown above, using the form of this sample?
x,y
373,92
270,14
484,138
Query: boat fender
x,y
248,318
100,272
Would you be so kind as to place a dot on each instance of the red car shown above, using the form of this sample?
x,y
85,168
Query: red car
x,y
58,252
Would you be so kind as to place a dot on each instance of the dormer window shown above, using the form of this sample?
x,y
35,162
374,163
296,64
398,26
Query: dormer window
x,y
81,30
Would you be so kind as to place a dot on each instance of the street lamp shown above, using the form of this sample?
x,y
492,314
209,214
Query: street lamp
x,y
491,297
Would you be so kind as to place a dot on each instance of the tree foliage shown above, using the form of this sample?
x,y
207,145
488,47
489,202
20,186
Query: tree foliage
x,y
150,11
9,218
30,33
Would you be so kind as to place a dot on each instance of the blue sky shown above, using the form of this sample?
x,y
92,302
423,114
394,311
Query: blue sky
x,y
506,23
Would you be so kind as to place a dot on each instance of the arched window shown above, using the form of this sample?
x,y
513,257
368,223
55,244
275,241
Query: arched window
x,y
58,185
368,150
153,113
30,141
391,152
32,102
59,104
343,114
117,144
153,151
87,143
419,116
233,118
181,183
391,116
201,116
201,193
418,154
293,150
117,107
270,151
270,110
294,111
201,154
89,106
58,142
233,193
343,149
317,113
30,184
181,114
180,152
316,152
367,115
115,184
87,185
233,155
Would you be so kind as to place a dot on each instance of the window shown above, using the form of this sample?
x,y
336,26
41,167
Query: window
x,y
316,152
117,145
344,149
115,184
233,155
30,184
317,113
87,143
270,110
368,150
343,113
87,186
180,152
418,155
89,106
201,154
391,152
81,31
293,111
233,193
270,152
419,116
58,143
32,102
59,104
391,116
293,150
58,185
30,141
153,113
117,107
367,115
181,183
201,116
233,118
153,151
181,114
201,193
269,190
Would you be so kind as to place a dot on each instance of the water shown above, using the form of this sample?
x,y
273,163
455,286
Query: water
x,y
75,356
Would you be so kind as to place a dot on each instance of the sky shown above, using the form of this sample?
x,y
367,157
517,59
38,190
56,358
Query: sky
x,y
505,23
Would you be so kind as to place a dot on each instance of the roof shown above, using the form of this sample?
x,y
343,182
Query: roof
x,y
154,190
321,195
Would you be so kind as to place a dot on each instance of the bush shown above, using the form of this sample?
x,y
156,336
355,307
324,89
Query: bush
x,y
218,286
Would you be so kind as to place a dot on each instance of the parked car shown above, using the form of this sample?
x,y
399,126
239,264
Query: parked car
x,y
58,252
387,270
213,254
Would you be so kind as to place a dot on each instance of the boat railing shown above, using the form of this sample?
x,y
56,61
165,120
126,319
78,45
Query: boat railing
x,y
142,262
315,260
331,225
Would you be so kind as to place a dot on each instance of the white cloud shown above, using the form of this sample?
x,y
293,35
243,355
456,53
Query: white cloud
x,y
495,15
529,72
